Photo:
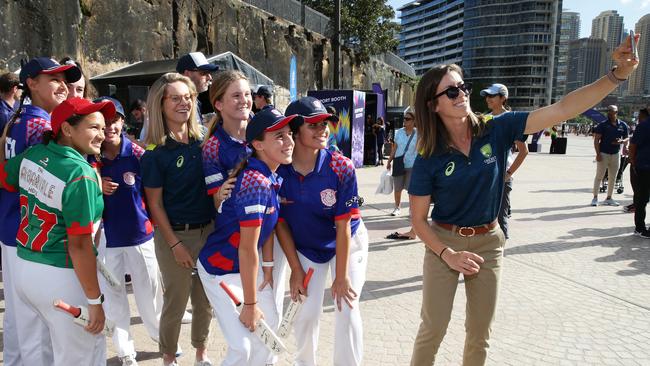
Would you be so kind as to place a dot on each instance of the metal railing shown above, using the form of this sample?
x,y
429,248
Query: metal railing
x,y
292,11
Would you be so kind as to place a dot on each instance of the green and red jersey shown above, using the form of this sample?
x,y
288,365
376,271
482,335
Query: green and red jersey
x,y
59,196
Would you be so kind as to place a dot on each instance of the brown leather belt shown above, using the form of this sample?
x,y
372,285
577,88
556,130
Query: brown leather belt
x,y
468,231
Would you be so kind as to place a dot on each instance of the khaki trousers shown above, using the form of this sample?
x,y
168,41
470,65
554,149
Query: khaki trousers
x,y
439,287
608,163
180,284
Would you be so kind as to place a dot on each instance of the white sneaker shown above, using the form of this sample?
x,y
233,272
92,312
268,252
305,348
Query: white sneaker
x,y
395,212
594,202
206,362
187,318
610,202
129,360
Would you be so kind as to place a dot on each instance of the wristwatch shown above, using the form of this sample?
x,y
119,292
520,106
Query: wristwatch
x,y
97,301
613,78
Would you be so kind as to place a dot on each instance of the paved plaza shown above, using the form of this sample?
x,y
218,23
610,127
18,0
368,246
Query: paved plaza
x,y
575,287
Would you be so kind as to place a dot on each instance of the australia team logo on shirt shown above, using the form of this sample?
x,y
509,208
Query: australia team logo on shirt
x,y
328,197
129,178
486,150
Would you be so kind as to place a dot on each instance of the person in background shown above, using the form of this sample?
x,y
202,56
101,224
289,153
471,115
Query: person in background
x,y
263,97
172,177
496,97
640,162
82,87
196,67
404,145
644,114
10,93
380,132
608,138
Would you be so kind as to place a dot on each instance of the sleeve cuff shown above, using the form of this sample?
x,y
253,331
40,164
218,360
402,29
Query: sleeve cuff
x,y
251,223
77,229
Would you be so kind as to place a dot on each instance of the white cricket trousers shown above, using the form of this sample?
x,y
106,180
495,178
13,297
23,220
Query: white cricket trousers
x,y
11,351
140,262
244,347
38,286
348,328
279,276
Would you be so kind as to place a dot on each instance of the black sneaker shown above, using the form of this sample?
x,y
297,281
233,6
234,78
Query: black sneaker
x,y
642,234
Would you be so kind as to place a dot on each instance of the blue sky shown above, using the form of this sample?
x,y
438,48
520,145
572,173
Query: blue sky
x,y
631,10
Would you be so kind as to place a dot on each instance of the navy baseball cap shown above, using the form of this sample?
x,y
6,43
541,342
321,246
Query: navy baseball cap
x,y
264,91
118,106
44,65
194,61
266,120
79,107
312,110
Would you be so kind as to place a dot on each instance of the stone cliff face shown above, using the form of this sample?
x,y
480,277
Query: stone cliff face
x,y
103,34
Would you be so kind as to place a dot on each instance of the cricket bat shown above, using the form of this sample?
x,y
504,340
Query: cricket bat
x,y
81,316
110,278
294,308
262,330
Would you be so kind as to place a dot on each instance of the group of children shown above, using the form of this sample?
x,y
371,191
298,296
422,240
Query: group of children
x,y
236,205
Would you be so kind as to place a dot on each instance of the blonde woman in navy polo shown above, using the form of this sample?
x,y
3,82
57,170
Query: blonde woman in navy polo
x,y
244,226
462,165
172,175
321,228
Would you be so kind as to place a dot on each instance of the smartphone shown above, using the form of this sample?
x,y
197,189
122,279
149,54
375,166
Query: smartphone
x,y
635,51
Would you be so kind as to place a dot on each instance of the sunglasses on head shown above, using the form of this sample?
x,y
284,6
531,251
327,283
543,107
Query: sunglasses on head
x,y
454,91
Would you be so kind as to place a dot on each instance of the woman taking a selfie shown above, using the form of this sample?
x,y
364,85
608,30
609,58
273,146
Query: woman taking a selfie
x,y
462,165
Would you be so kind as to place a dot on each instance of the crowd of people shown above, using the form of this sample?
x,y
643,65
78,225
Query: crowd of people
x,y
188,205
238,198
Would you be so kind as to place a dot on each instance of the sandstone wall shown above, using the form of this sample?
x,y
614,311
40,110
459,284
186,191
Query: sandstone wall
x,y
104,33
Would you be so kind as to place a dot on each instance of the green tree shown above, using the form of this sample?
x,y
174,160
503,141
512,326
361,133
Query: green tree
x,y
367,26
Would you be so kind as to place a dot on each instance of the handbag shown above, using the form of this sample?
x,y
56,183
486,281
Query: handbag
x,y
385,183
398,161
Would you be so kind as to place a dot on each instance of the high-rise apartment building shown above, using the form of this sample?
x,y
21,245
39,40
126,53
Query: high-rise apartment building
x,y
587,62
640,79
569,31
432,33
608,25
514,43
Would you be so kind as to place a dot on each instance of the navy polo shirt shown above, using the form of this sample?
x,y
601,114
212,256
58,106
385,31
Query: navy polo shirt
x,y
467,191
311,204
126,221
27,131
254,204
6,111
177,169
609,133
641,138
221,154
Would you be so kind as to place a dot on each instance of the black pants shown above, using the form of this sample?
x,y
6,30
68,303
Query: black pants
x,y
641,196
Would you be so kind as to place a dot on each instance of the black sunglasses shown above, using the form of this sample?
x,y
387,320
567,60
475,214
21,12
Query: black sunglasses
x,y
454,91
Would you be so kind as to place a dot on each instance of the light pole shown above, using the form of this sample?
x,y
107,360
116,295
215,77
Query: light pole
x,y
336,43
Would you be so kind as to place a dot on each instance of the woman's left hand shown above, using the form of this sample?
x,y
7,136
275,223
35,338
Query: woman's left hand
x,y
624,58
342,290
268,278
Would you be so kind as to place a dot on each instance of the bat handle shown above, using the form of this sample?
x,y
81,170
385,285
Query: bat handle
x,y
305,282
72,310
234,297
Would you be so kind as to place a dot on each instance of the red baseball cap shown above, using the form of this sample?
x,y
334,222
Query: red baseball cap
x,y
80,107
